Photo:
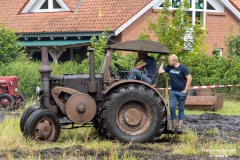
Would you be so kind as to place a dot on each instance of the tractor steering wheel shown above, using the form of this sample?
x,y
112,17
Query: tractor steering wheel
x,y
119,67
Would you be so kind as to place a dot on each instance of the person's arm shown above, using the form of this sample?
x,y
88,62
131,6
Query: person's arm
x,y
189,81
161,70
136,61
140,65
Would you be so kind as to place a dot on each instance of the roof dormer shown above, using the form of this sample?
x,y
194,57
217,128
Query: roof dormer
x,y
35,6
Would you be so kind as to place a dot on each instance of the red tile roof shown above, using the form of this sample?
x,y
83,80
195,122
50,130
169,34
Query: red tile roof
x,y
236,4
115,13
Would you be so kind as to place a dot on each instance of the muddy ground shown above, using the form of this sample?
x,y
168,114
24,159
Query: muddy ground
x,y
225,127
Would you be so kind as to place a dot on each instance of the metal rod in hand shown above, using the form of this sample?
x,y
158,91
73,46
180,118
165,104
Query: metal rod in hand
x,y
156,73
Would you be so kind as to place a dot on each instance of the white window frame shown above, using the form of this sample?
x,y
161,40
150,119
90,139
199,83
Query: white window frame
x,y
220,51
216,5
35,5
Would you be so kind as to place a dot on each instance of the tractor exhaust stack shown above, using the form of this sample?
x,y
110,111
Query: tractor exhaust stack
x,y
92,84
45,71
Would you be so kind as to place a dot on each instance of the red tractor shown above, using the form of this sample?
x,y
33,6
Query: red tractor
x,y
10,98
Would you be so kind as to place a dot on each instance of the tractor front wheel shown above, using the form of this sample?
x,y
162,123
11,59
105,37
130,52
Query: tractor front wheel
x,y
6,101
43,126
134,113
27,112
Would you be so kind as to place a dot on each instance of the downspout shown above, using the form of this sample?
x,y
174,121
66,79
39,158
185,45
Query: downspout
x,y
78,6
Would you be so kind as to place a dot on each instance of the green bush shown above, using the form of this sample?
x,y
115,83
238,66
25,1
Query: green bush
x,y
27,72
233,43
10,47
211,70
30,78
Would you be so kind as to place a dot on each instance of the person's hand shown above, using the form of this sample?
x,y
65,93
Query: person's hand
x,y
184,91
163,58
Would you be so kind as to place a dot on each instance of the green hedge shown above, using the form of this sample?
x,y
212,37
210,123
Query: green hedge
x,y
210,70
205,70
29,76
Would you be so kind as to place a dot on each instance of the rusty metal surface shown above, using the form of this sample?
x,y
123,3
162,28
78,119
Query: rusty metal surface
x,y
204,92
44,130
78,82
106,73
204,102
92,84
56,91
141,45
80,108
133,118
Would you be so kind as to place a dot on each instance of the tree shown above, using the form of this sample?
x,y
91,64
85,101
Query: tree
x,y
233,43
10,47
171,30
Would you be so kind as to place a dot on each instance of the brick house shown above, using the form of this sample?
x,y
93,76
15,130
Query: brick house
x,y
66,26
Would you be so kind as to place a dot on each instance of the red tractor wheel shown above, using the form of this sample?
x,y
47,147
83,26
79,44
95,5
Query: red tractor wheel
x,y
6,101
20,101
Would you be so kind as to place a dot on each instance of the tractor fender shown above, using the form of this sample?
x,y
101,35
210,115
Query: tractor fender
x,y
116,84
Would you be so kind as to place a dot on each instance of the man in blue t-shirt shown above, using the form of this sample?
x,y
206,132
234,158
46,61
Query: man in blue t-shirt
x,y
180,82
146,70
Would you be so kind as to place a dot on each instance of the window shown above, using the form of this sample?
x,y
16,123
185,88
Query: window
x,y
218,51
46,6
197,15
176,3
197,10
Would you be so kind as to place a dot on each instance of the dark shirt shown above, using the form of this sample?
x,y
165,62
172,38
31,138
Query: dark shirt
x,y
151,66
178,76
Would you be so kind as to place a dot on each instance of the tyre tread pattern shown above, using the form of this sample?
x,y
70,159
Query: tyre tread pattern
x,y
104,111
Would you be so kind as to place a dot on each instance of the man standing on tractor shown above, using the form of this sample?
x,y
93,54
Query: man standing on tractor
x,y
180,82
146,70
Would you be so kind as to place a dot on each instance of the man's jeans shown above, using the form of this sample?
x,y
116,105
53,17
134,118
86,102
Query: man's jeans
x,y
136,74
180,98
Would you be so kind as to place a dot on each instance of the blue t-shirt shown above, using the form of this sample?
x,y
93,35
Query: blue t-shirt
x,y
151,66
178,76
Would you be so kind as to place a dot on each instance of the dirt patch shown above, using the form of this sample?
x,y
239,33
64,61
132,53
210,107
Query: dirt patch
x,y
208,121
209,127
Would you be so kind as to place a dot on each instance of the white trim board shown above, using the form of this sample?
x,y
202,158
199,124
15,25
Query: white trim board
x,y
34,6
231,8
135,17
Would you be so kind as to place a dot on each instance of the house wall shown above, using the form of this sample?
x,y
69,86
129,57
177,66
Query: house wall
x,y
217,25
133,31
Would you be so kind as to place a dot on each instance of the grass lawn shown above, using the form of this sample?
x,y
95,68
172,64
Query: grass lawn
x,y
13,143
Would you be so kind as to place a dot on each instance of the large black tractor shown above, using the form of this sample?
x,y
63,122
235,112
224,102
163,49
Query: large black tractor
x,y
118,108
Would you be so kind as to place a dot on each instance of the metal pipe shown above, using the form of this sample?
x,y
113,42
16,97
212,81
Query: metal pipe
x,y
92,84
45,71
91,66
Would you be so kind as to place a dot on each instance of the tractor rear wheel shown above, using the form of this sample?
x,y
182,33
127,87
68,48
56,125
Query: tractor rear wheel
x,y
134,113
27,112
6,101
22,99
43,126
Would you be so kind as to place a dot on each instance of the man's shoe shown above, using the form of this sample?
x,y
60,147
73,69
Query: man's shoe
x,y
174,126
180,127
